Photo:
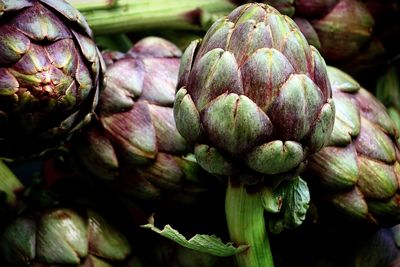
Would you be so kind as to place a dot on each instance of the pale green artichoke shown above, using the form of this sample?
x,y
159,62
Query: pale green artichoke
x,y
254,97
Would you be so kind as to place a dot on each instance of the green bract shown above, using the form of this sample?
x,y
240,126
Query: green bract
x,y
134,143
63,237
254,96
49,74
358,172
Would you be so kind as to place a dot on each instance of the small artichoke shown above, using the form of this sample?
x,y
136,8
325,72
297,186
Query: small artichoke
x,y
134,143
63,237
49,74
358,172
254,97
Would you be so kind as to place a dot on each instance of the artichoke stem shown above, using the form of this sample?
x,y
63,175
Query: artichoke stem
x,y
127,15
246,225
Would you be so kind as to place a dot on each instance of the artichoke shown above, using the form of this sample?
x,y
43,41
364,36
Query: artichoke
x,y
358,172
134,143
63,237
254,96
50,69
255,99
353,34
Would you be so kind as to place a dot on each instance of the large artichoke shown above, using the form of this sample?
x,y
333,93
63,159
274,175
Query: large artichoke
x,y
134,143
49,74
63,237
358,172
254,96
255,99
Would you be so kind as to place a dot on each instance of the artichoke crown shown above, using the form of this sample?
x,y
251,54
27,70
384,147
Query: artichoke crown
x,y
49,74
253,91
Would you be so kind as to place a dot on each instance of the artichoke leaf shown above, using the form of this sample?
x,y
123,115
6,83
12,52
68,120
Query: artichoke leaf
x,y
295,198
202,243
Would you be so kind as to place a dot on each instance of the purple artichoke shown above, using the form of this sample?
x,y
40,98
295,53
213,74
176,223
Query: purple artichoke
x,y
49,74
134,143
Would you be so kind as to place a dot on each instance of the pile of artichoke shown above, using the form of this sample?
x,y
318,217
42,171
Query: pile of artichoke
x,y
199,133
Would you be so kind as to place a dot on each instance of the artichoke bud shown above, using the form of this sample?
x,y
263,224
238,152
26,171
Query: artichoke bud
x,y
351,24
135,143
254,92
359,167
62,237
50,71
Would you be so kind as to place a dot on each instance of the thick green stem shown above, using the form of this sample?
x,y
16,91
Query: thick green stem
x,y
246,225
133,15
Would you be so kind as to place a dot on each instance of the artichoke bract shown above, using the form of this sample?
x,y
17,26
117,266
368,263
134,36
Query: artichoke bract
x,y
358,172
50,69
63,237
134,144
254,96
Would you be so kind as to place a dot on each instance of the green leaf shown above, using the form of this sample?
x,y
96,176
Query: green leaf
x,y
203,243
296,200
